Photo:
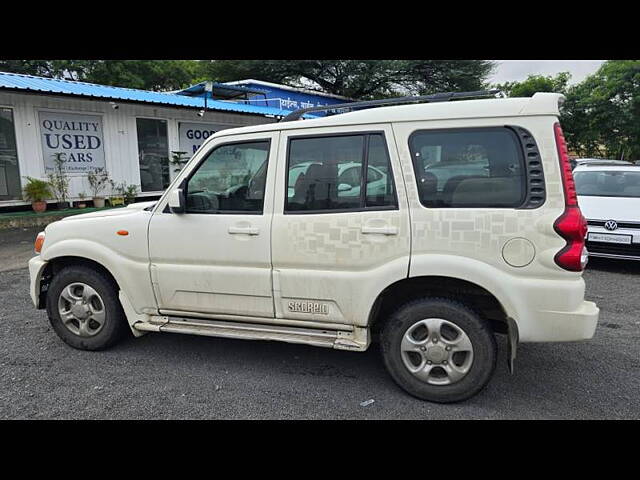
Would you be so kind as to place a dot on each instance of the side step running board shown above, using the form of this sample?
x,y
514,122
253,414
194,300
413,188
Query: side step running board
x,y
254,331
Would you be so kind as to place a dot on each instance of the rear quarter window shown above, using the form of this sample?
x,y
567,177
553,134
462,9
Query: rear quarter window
x,y
466,168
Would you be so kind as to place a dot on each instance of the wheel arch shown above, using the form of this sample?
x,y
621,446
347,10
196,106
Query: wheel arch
x,y
56,264
477,297
129,269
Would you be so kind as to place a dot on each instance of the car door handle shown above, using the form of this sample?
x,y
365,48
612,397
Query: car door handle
x,y
380,230
244,230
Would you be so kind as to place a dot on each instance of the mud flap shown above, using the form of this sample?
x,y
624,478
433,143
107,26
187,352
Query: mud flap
x,y
512,343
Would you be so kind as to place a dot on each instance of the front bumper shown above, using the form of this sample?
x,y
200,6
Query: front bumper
x,y
36,268
612,255
606,250
614,250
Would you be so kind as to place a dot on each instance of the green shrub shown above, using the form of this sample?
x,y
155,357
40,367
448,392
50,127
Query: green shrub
x,y
36,190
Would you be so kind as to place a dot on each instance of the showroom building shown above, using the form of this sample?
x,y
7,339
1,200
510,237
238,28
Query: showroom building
x,y
130,133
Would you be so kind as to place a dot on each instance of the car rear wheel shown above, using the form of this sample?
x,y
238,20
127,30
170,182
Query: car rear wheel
x,y
84,309
439,350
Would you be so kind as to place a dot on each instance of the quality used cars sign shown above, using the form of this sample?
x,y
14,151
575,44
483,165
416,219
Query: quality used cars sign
x,y
77,137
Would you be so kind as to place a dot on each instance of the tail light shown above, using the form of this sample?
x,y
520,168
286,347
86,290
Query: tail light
x,y
571,225
39,241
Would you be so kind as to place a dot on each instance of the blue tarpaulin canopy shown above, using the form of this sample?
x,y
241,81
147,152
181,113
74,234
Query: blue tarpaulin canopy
x,y
219,91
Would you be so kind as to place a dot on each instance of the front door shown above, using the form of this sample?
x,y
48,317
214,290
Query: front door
x,y
216,257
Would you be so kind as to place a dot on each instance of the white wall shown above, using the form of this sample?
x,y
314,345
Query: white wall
x,y
119,131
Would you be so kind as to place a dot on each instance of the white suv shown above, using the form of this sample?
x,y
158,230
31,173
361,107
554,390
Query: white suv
x,y
466,224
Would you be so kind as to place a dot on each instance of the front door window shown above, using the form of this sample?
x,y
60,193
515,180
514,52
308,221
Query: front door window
x,y
230,180
10,188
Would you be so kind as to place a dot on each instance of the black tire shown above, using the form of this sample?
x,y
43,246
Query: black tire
x,y
115,323
476,329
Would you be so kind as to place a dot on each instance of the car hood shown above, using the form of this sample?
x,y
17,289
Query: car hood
x,y
610,208
114,212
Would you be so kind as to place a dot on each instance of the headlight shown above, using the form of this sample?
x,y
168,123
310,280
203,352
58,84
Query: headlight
x,y
39,241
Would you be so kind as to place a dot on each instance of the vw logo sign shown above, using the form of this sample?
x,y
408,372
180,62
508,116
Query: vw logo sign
x,y
610,225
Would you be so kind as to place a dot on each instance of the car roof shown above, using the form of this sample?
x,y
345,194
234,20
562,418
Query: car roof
x,y
602,160
590,167
542,103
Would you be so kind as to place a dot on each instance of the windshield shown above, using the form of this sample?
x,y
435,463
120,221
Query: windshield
x,y
608,183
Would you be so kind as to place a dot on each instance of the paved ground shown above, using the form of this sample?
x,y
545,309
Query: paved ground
x,y
16,247
178,376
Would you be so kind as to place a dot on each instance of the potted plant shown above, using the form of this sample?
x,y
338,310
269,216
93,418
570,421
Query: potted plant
x,y
129,192
98,181
59,181
117,198
82,203
126,194
36,191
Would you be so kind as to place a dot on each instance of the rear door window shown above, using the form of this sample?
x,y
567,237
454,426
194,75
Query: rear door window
x,y
339,173
480,167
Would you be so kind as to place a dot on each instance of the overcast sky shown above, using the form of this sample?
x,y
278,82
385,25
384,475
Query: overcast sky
x,y
517,70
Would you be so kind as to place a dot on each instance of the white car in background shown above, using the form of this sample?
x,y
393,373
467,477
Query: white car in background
x,y
576,162
609,198
348,179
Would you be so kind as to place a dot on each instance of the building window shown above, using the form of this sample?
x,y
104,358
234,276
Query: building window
x,y
153,154
325,174
468,168
10,188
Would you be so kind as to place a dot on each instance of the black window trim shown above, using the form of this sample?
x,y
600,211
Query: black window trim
x,y
365,164
185,181
524,202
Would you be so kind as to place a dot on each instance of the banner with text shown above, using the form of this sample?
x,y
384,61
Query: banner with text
x,y
192,135
77,137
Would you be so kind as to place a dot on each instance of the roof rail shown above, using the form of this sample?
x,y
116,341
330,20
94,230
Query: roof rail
x,y
436,97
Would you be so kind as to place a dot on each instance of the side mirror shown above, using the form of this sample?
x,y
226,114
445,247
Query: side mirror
x,y
176,201
344,187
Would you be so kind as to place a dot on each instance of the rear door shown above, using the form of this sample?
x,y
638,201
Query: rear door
x,y
339,235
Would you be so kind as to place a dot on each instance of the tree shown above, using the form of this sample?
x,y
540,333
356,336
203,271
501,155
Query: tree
x,y
360,79
64,69
423,77
601,115
536,83
142,74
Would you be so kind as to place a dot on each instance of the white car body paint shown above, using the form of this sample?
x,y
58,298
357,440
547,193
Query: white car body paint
x,y
248,269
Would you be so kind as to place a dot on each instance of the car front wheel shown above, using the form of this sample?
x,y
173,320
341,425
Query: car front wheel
x,y
84,309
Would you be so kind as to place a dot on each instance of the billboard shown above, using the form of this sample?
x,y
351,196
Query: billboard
x,y
192,135
77,137
286,99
